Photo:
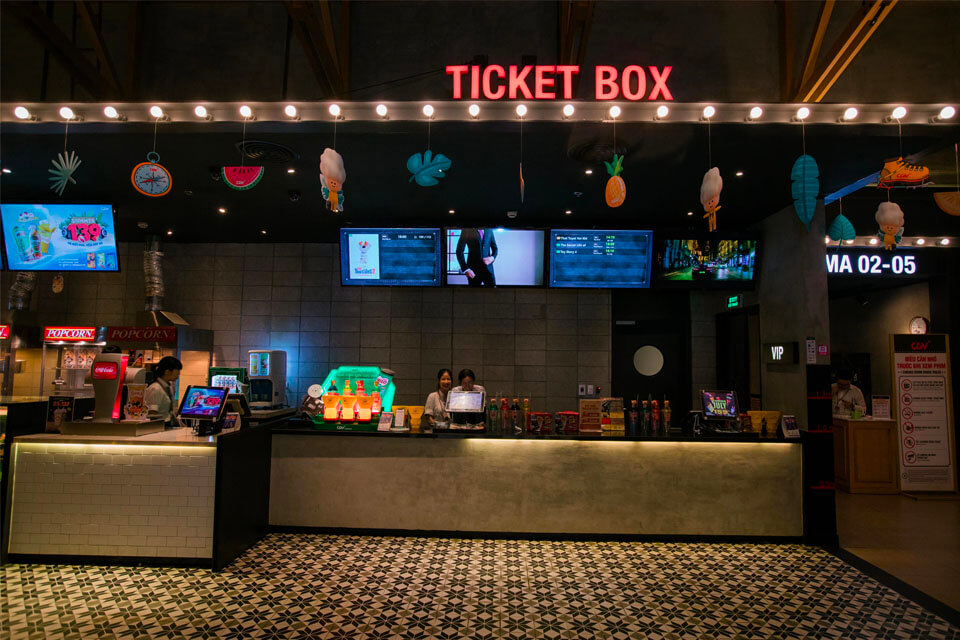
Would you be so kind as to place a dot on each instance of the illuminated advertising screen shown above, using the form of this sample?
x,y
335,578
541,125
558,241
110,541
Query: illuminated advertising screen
x,y
720,404
390,257
602,259
707,261
59,237
202,402
494,257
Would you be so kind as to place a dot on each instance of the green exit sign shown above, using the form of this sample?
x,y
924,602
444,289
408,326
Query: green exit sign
x,y
734,301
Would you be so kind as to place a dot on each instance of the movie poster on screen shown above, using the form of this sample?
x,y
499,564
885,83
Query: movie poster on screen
x,y
365,256
922,405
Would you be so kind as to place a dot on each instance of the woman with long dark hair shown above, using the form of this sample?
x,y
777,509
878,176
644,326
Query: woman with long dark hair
x,y
435,409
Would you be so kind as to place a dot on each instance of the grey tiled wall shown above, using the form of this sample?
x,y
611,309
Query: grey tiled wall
x,y
537,343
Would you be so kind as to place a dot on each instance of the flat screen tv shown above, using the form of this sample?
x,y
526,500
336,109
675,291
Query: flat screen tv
x,y
494,257
605,259
390,257
707,262
59,237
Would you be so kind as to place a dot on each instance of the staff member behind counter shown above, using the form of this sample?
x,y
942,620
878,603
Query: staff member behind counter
x,y
846,395
159,397
435,409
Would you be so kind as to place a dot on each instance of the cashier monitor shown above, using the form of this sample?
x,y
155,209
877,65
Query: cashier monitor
x,y
203,403
720,408
465,407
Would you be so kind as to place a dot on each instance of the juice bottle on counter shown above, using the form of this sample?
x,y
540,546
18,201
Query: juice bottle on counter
x,y
515,416
493,422
376,402
632,418
526,414
346,387
505,417
655,417
666,417
645,418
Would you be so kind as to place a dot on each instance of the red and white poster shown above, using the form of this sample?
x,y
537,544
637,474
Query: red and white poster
x,y
922,404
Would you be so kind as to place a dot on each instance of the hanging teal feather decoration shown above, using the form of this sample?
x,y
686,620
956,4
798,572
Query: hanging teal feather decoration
x,y
841,229
806,187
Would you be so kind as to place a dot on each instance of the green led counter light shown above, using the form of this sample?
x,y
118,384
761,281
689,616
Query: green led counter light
x,y
372,379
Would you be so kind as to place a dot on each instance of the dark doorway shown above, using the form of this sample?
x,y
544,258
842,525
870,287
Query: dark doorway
x,y
664,326
738,355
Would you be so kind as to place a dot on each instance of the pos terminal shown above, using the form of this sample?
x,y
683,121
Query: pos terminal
x,y
202,408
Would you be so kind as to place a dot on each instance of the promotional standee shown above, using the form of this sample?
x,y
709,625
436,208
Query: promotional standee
x,y
922,403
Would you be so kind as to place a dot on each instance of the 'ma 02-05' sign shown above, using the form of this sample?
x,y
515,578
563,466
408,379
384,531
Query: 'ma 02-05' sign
x,y
875,263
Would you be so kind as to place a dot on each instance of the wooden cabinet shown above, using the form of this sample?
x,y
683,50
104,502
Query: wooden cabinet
x,y
865,455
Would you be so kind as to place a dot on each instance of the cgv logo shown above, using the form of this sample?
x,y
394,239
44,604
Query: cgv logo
x,y
776,352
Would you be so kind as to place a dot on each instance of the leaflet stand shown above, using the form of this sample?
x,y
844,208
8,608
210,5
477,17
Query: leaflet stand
x,y
202,409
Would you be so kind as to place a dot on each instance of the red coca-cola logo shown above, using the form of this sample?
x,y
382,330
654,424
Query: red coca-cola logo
x,y
105,371
69,333
4,331
142,334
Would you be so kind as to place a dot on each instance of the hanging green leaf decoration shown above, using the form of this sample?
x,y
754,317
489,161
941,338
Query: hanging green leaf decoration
x,y
841,229
429,168
806,187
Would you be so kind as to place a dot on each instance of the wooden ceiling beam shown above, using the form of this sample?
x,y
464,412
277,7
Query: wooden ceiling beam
x,y
314,27
813,53
574,23
99,46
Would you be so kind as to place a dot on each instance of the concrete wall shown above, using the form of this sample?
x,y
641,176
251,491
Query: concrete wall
x,y
859,328
535,343
537,486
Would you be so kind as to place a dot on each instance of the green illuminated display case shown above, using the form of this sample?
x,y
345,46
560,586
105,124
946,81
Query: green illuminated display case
x,y
373,379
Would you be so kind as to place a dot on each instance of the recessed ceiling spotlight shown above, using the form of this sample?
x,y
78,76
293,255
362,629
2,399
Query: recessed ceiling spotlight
x,y
568,212
335,110
756,113
67,113
709,112
382,110
946,113
142,225
200,111
615,111
5,170
290,111
111,112
898,113
568,110
689,213
222,210
451,212
291,170
850,113
169,232
246,111
662,112
473,110
428,110
803,113
943,241
589,172
874,241
263,232
739,174
849,241
521,110
22,112
920,242
156,112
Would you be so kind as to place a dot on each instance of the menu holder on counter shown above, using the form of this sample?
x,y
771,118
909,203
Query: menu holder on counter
x,y
881,407
788,424
386,421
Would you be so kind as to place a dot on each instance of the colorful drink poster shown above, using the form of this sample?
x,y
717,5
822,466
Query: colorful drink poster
x,y
59,237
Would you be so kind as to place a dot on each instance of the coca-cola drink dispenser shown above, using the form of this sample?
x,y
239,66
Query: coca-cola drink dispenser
x,y
267,371
109,374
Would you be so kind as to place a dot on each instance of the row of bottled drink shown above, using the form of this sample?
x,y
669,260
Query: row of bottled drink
x,y
508,418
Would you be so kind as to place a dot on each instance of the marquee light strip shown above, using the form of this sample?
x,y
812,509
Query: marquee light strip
x,y
586,111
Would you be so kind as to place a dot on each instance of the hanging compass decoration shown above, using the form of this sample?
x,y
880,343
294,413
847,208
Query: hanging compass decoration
x,y
151,178
68,163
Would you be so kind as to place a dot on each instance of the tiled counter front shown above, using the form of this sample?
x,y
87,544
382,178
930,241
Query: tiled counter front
x,y
120,500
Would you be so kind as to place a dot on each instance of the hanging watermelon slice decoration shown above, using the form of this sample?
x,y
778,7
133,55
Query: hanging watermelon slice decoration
x,y
241,178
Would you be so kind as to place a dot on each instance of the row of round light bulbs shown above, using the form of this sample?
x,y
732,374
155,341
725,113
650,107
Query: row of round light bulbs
x,y
943,242
849,114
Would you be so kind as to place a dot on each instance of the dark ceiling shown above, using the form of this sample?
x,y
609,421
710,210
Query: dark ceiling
x,y
663,170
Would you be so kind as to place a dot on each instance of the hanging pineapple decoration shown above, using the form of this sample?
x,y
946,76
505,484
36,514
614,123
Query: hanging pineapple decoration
x,y
616,192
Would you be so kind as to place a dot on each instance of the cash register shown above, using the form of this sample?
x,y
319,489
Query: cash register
x,y
203,408
465,409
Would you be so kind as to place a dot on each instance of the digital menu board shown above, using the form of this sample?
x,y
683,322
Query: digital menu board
x,y
390,257
494,257
59,237
601,258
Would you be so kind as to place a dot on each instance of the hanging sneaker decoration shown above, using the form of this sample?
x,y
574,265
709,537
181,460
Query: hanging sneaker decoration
x,y
66,163
332,176
841,229
616,191
896,172
890,218
805,188
710,190
427,170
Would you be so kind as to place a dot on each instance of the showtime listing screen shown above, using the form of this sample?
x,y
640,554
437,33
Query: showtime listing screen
x,y
390,257
603,259
59,237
